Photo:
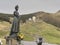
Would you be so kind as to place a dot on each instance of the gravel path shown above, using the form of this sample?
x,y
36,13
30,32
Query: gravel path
x,y
34,43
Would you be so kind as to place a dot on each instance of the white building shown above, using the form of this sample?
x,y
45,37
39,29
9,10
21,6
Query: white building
x,y
34,19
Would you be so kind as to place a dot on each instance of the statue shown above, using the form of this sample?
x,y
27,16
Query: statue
x,y
15,24
14,29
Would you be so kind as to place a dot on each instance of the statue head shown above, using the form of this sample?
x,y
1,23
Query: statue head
x,y
16,7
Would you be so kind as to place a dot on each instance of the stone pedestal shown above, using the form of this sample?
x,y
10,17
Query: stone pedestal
x,y
12,41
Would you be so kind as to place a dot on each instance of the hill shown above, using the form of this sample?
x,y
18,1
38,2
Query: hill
x,y
49,32
48,26
51,18
31,31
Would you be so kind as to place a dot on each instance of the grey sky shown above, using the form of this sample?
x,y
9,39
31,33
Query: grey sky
x,y
29,6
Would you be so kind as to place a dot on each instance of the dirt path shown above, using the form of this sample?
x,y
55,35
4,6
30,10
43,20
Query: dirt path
x,y
30,43
34,43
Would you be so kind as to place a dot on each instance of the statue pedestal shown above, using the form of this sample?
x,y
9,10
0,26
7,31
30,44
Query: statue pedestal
x,y
13,40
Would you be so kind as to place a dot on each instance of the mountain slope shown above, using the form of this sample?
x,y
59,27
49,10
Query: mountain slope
x,y
51,18
49,32
47,27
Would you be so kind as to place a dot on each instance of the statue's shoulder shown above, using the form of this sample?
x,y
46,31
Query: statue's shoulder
x,y
14,11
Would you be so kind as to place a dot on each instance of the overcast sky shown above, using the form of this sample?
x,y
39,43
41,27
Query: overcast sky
x,y
29,6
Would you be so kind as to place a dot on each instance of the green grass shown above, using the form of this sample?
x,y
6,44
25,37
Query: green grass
x,y
3,33
50,33
4,29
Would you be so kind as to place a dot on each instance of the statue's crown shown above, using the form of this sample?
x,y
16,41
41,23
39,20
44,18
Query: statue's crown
x,y
16,6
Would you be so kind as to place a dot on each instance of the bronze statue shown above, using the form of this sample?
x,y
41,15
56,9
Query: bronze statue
x,y
15,28
15,24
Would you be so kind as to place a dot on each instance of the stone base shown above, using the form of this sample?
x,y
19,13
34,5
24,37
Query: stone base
x,y
12,40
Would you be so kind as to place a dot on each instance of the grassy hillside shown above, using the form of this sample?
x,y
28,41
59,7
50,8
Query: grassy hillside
x,y
51,18
31,30
4,29
49,32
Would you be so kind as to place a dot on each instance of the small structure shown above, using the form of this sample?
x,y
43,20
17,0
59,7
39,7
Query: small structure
x,y
34,19
30,19
39,41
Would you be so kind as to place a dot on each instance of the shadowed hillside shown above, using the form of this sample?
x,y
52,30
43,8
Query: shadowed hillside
x,y
52,18
5,17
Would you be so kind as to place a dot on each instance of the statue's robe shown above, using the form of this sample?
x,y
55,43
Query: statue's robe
x,y
15,24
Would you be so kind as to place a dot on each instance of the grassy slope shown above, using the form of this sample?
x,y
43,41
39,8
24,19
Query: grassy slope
x,y
4,29
49,32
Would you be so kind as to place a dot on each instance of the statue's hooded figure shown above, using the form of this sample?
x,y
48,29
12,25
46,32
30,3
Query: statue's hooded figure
x,y
15,24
